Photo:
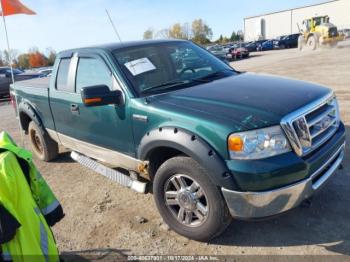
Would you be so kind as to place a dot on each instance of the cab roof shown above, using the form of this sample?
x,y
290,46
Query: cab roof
x,y
115,46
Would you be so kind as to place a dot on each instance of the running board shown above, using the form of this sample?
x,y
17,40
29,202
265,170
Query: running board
x,y
110,173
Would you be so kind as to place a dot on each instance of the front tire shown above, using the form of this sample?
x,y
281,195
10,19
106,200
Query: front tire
x,y
188,201
42,144
312,43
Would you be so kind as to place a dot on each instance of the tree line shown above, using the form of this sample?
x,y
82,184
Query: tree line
x,y
198,31
31,59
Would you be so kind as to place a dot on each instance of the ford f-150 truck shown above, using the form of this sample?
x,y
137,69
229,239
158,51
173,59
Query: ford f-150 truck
x,y
214,143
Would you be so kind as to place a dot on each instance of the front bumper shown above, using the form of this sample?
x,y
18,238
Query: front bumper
x,y
268,203
330,40
247,204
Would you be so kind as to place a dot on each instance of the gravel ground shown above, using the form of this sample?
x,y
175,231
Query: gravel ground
x,y
104,217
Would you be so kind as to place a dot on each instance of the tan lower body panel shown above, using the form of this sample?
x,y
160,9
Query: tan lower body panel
x,y
99,153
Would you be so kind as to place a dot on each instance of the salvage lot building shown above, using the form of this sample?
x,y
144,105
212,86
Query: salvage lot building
x,y
275,24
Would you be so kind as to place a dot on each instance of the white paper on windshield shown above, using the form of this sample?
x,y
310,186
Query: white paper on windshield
x,y
140,66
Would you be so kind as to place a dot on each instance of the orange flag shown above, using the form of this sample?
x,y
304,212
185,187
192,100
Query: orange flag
x,y
12,7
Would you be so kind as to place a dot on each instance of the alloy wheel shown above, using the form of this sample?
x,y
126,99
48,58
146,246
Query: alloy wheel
x,y
186,200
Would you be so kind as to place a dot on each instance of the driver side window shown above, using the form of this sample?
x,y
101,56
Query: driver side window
x,y
92,72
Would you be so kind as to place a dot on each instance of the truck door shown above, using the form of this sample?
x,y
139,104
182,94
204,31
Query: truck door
x,y
100,130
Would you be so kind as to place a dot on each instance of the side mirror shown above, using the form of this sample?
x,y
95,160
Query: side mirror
x,y
100,96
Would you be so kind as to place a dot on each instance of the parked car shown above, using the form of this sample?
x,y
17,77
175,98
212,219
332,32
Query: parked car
x,y
45,72
237,52
212,141
289,41
280,37
227,47
6,79
218,51
268,45
254,46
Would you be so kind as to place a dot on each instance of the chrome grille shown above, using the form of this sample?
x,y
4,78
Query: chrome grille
x,y
312,125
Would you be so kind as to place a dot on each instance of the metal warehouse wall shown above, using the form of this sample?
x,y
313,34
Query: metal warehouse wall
x,y
285,22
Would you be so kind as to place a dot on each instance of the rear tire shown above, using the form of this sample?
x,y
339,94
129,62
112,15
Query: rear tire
x,y
188,201
301,43
43,147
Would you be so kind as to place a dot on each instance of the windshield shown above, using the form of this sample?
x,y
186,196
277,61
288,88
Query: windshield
x,y
162,67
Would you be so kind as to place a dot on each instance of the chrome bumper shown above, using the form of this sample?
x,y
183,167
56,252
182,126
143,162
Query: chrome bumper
x,y
268,203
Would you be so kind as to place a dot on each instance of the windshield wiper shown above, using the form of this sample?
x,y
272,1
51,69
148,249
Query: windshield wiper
x,y
166,84
213,75
176,83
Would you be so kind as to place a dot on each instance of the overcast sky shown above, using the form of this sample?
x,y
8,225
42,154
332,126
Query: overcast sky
x,y
63,24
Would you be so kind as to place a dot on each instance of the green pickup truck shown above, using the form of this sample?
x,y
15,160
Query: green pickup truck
x,y
214,143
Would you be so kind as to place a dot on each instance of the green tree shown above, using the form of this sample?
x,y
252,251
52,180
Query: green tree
x,y
51,58
176,31
148,34
23,61
220,39
201,32
234,37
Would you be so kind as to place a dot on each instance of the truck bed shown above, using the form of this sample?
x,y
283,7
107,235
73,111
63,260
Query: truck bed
x,y
36,91
42,82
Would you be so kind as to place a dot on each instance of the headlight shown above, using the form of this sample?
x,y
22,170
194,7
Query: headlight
x,y
257,144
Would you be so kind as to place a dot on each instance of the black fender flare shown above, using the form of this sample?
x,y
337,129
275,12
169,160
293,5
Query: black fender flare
x,y
191,145
28,110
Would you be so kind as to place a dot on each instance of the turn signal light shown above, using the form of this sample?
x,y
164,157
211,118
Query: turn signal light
x,y
92,100
235,143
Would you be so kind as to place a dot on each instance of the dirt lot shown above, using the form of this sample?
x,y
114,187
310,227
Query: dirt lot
x,y
101,215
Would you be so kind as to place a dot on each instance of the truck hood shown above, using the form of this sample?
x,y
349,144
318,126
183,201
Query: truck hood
x,y
245,101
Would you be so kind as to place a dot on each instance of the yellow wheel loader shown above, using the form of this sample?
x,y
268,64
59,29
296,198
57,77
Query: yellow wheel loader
x,y
318,31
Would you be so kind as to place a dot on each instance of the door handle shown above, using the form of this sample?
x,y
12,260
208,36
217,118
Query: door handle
x,y
74,108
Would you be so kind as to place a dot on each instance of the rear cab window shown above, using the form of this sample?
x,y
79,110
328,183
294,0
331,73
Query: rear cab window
x,y
62,76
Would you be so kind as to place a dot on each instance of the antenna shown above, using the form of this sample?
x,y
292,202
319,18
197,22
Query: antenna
x,y
114,28
116,32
